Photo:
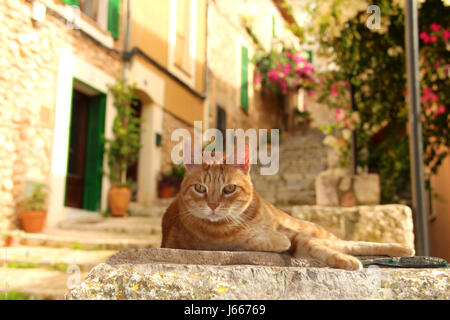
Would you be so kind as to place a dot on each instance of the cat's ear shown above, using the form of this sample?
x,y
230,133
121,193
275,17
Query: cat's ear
x,y
243,159
188,155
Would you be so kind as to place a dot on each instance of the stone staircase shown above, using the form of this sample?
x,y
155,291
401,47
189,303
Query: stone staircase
x,y
302,157
43,261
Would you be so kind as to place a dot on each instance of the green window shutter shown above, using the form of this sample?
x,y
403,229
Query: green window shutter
x,y
244,78
310,55
92,192
114,17
75,3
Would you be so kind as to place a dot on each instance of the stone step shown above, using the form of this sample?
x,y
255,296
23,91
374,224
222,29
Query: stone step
x,y
157,208
130,225
90,240
38,284
51,258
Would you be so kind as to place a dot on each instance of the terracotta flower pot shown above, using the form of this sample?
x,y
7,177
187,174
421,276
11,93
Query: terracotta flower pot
x,y
10,241
166,191
118,200
33,221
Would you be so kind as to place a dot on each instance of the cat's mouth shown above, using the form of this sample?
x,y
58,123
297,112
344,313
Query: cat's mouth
x,y
214,217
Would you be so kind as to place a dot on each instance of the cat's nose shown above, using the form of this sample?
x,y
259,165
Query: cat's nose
x,y
213,206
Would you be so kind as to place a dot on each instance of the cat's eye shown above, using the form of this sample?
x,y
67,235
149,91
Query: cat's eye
x,y
200,188
229,189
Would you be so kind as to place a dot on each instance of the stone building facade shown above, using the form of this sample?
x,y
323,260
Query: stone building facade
x,y
225,61
58,57
30,56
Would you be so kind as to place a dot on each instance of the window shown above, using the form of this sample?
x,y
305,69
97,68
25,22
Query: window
x,y
182,42
105,13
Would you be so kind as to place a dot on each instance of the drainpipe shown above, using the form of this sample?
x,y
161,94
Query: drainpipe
x,y
126,44
415,136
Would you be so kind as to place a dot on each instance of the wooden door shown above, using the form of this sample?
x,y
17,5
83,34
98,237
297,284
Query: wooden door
x,y
77,150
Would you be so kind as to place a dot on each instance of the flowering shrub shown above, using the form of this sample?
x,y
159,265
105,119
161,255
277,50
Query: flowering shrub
x,y
434,75
284,72
371,64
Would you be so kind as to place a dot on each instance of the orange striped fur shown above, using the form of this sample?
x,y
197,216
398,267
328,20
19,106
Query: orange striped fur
x,y
242,220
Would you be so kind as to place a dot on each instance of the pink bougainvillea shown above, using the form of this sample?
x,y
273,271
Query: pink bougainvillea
x,y
284,72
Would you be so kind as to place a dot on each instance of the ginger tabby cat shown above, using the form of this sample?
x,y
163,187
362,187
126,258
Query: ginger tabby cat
x,y
218,209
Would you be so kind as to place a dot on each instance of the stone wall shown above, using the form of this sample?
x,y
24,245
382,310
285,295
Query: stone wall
x,y
302,157
339,187
29,57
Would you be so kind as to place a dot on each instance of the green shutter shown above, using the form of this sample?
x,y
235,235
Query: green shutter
x,y
75,3
310,55
114,18
244,78
94,154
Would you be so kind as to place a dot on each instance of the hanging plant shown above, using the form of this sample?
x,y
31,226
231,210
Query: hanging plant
x,y
284,72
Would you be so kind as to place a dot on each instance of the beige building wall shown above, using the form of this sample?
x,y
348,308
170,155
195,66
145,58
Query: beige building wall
x,y
439,226
224,61
153,27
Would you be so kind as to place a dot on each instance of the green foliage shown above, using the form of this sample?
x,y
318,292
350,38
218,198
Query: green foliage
x,y
37,201
22,265
60,266
178,171
372,63
14,295
77,246
123,149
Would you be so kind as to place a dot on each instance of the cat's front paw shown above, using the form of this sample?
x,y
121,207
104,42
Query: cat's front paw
x,y
281,243
401,250
343,261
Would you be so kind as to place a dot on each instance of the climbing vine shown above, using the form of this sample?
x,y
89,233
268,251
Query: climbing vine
x,y
370,68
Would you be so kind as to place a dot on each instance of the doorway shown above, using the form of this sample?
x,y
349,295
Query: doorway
x,y
85,154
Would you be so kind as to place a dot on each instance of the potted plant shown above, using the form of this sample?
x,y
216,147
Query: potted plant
x,y
169,183
123,149
33,209
302,119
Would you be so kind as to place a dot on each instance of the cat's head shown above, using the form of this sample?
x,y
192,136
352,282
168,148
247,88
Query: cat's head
x,y
218,192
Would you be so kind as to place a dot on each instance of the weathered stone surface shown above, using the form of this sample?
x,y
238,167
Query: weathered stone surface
x,y
302,157
326,194
380,223
141,278
367,188
334,186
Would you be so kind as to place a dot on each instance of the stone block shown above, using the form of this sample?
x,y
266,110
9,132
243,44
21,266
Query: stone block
x,y
326,193
379,223
367,188
184,274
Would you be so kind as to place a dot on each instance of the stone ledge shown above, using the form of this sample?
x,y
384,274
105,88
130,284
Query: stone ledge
x,y
379,223
159,274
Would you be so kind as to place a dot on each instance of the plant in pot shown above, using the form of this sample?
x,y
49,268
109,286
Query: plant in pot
x,y
33,209
169,183
123,149
302,118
